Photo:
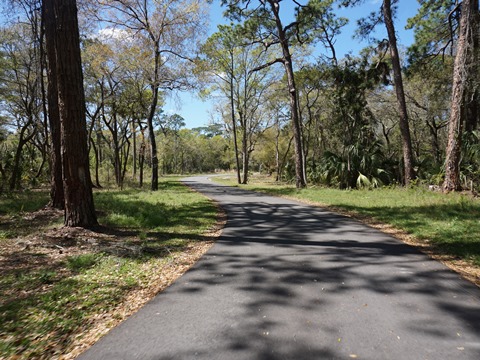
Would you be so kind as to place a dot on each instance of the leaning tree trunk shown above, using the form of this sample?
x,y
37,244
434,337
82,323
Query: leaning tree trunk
x,y
457,108
57,198
402,106
79,207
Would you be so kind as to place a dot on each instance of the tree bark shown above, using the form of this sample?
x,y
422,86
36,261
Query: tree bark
x,y
399,91
79,206
457,110
57,197
472,94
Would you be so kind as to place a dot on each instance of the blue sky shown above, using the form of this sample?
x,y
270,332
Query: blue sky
x,y
196,112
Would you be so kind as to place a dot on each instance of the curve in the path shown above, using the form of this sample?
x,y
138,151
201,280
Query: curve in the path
x,y
292,281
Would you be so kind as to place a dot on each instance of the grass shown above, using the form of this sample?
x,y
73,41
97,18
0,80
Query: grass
x,y
448,222
14,210
50,300
19,202
170,209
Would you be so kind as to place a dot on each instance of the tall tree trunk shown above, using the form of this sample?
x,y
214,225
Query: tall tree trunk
x,y
126,154
277,152
234,125
141,162
16,170
43,90
469,8
433,128
92,144
97,164
98,152
116,151
134,152
243,122
3,178
153,149
141,155
245,159
151,130
473,93
57,197
402,105
472,100
300,180
79,206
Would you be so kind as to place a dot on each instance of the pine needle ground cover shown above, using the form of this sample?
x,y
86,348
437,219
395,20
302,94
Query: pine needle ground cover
x,y
446,226
61,289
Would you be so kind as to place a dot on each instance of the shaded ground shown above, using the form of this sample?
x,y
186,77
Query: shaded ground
x,y
461,266
289,281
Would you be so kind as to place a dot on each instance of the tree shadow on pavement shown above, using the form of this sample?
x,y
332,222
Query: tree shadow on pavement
x,y
341,285
290,281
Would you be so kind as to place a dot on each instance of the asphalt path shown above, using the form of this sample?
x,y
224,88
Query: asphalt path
x,y
292,281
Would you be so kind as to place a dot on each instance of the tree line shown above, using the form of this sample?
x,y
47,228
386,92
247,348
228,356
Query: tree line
x,y
83,86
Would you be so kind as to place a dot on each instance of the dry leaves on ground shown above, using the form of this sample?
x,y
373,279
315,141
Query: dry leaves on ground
x,y
53,246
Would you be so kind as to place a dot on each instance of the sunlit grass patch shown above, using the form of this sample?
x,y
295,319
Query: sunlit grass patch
x,y
19,202
82,262
172,206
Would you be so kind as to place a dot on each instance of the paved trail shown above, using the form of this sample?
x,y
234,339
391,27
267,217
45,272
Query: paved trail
x,y
292,281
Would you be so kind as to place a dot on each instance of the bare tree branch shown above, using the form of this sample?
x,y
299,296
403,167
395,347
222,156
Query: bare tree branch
x,y
270,63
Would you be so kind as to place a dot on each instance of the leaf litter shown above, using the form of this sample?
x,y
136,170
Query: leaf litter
x,y
47,250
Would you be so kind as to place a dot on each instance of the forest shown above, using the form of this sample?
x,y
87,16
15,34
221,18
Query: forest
x,y
286,105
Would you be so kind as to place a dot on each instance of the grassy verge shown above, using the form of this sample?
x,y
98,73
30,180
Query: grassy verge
x,y
14,209
449,224
61,289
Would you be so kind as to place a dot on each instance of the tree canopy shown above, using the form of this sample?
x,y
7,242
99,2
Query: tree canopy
x,y
286,101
